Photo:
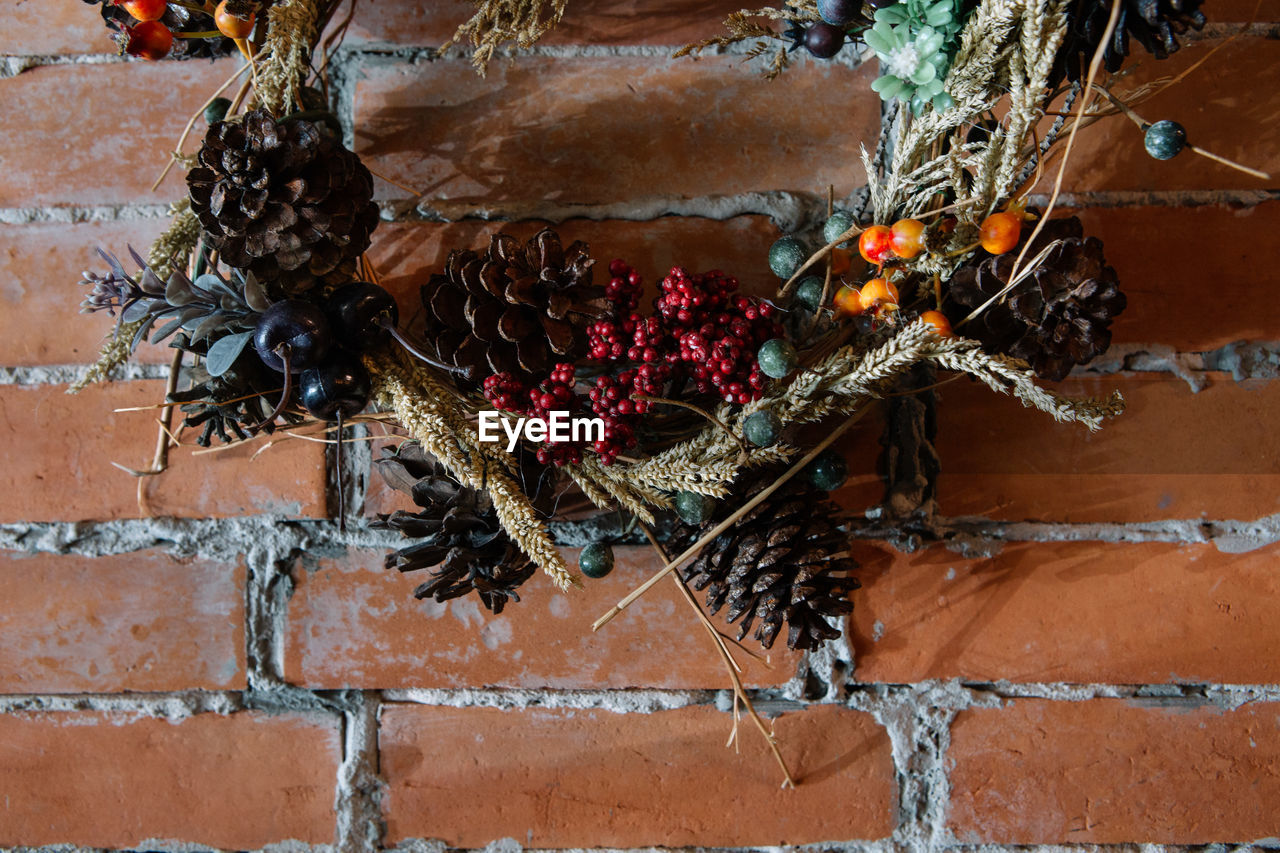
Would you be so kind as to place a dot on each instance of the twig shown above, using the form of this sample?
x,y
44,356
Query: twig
x,y
1094,64
728,522
742,445
186,131
739,693
817,256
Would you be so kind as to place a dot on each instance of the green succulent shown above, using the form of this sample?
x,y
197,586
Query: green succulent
x,y
913,41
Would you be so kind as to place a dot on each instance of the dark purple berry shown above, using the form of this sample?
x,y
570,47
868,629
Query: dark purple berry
x,y
340,384
363,314
823,40
294,331
840,13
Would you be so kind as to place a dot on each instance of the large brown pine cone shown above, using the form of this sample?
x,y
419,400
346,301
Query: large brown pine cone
x,y
1057,317
784,561
1154,24
457,530
516,308
283,199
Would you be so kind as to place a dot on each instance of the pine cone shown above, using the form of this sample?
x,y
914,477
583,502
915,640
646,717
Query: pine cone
x,y
782,561
283,199
1058,317
232,404
1154,24
458,530
517,309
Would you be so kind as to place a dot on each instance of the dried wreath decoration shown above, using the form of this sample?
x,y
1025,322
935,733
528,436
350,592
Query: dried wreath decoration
x,y
696,398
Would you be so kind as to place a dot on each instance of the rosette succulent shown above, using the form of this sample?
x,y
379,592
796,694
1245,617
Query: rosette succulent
x,y
913,41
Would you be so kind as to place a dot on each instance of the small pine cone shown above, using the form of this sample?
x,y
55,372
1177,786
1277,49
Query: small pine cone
x,y
1154,24
516,308
283,199
784,561
1058,317
458,533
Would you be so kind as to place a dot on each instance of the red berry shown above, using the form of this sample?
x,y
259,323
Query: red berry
x,y
231,26
907,238
878,293
149,40
941,325
875,244
144,10
999,232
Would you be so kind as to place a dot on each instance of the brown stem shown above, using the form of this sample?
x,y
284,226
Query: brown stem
x,y
739,692
728,522
691,407
284,351
419,354
337,464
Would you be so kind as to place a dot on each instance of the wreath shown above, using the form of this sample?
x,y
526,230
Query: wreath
x,y
535,383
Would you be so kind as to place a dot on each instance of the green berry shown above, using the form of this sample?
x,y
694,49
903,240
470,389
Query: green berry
x,y
838,223
762,428
828,471
217,110
596,560
694,508
1165,139
786,256
777,358
809,292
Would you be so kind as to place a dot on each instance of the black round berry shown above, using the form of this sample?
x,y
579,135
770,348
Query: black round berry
x,y
362,313
823,40
294,327
340,384
840,12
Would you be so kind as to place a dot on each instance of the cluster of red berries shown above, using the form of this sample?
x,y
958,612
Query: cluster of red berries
x,y
702,330
150,39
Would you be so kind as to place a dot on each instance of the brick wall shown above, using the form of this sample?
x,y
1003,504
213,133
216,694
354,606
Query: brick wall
x,y
1093,661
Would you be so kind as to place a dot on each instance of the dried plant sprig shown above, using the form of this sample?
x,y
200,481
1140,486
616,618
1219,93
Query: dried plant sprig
x,y
171,251
432,416
497,22
740,27
292,31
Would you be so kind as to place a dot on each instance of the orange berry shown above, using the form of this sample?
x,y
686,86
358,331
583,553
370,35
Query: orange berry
x,y
999,232
941,325
847,301
149,40
231,26
875,244
841,260
144,10
907,238
878,293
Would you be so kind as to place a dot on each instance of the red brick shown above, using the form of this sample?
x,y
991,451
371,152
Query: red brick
x,y
1109,771
57,462
405,22
109,780
37,27
596,778
130,622
1159,252
1110,155
1172,454
519,138
76,144
1082,612
39,267
356,624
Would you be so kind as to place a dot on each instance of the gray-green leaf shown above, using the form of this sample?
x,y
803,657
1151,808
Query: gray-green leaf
x,y
224,352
